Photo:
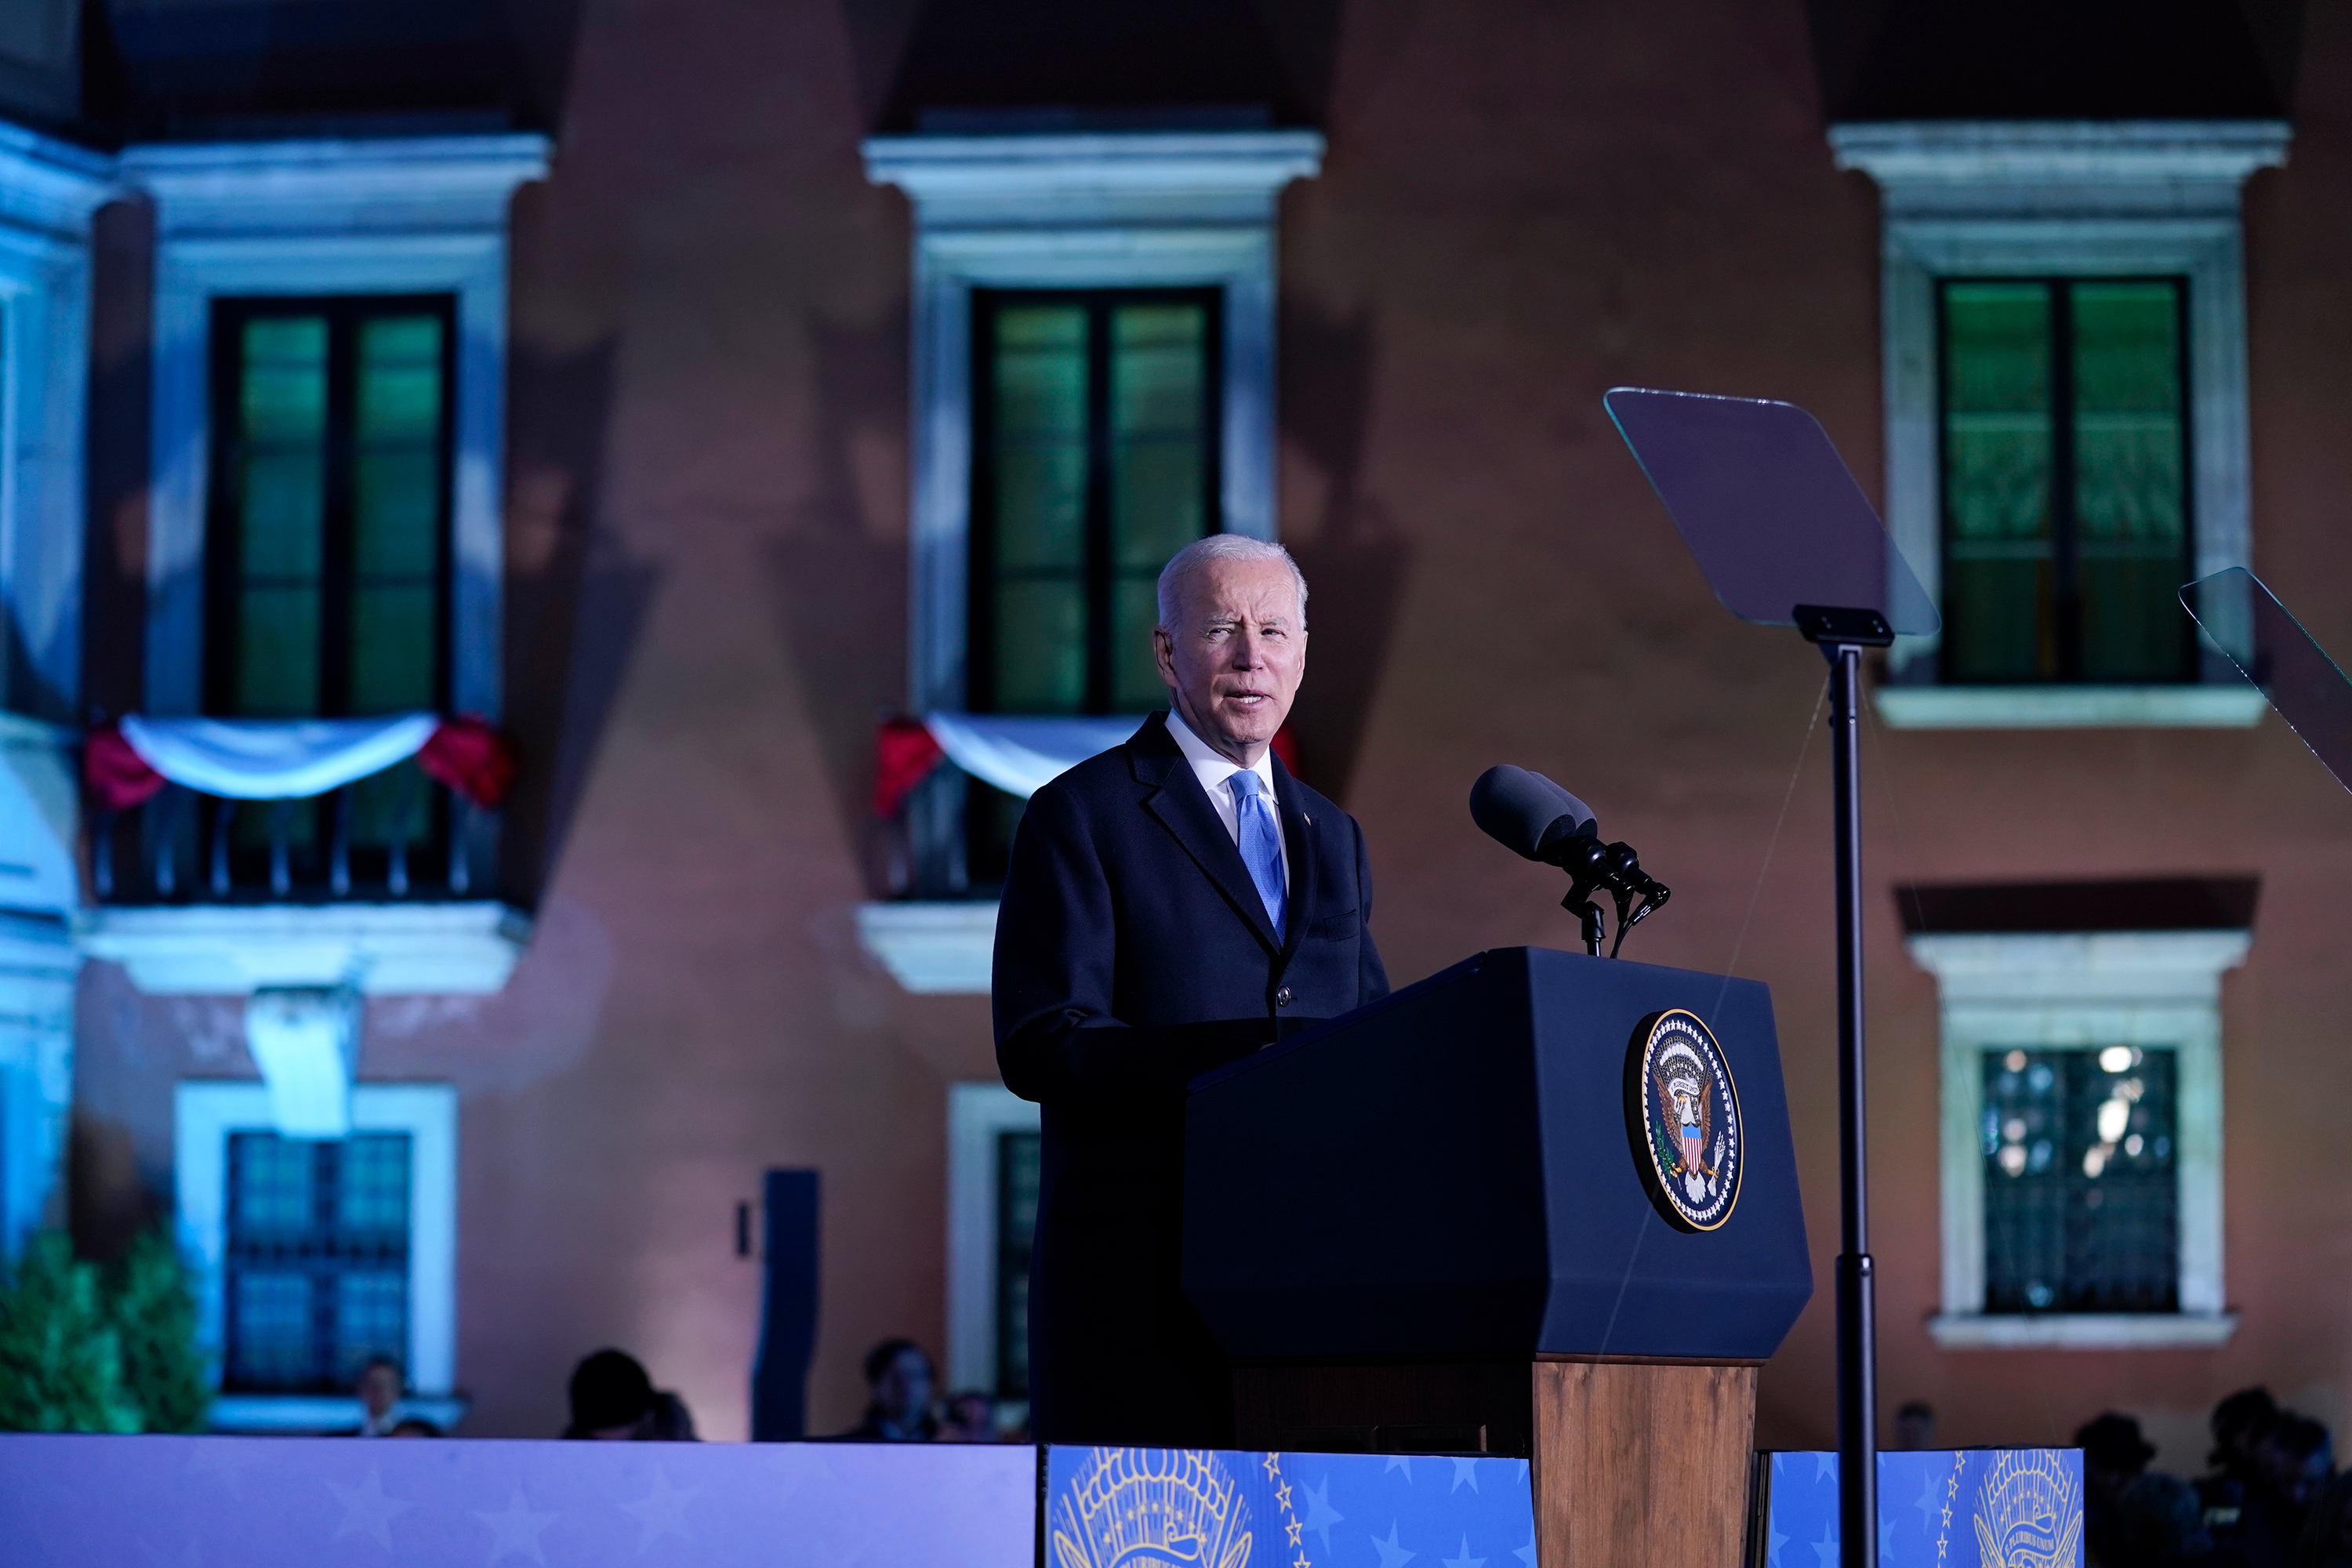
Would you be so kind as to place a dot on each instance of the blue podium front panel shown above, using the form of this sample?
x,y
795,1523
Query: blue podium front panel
x,y
260,1502
1214,1508
1936,1508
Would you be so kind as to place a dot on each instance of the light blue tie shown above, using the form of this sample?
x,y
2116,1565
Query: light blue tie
x,y
1260,844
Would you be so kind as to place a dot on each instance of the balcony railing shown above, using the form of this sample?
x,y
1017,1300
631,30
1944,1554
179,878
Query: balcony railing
x,y
184,847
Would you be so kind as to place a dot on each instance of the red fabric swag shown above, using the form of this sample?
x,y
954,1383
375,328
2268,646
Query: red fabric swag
x,y
118,778
471,758
904,755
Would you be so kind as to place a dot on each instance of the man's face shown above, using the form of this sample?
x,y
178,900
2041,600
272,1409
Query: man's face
x,y
904,1391
1232,660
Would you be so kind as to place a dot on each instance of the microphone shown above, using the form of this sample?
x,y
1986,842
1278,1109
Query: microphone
x,y
1527,813
1534,817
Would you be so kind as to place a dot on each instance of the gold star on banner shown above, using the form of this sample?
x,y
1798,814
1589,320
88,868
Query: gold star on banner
x,y
1271,1466
1302,1562
1281,1496
1294,1529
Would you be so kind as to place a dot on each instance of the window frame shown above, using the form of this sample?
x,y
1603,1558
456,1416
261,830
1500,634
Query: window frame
x,y
1114,210
2037,200
207,1111
398,215
2069,991
343,313
1100,567
978,1112
2065,540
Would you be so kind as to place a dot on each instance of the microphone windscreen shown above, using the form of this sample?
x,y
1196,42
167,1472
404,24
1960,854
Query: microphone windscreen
x,y
1518,809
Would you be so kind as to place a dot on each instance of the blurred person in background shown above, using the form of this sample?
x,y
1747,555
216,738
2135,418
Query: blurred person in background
x,y
1914,1425
2328,1533
2114,1457
898,1384
970,1417
379,1390
613,1399
2295,1461
2158,1522
2237,1424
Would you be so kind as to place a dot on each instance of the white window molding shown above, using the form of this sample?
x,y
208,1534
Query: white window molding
x,y
942,949
48,192
232,950
1104,210
2040,199
423,214
204,1113
978,1113
2000,992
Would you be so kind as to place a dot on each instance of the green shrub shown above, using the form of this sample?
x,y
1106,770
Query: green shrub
x,y
60,1361
154,1319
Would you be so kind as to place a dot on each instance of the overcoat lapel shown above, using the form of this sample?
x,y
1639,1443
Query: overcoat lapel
x,y
1177,799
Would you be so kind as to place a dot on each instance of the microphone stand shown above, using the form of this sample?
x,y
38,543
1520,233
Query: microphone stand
x,y
1841,635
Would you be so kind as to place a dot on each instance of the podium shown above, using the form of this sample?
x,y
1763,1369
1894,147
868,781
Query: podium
x,y
1425,1227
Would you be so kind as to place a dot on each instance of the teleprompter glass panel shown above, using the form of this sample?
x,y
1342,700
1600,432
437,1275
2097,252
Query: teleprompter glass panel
x,y
315,1276
2081,1194
2065,459
2245,619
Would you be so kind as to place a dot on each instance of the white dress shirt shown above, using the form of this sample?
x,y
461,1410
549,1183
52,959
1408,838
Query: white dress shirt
x,y
1215,770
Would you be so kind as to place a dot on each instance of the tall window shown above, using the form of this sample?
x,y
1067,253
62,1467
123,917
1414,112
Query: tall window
x,y
327,541
2066,518
317,1259
2080,1196
1018,1155
1095,459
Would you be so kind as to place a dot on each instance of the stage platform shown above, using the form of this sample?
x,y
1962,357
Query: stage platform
x,y
263,1502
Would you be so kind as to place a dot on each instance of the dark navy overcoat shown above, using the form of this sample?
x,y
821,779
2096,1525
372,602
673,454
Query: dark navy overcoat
x,y
1133,952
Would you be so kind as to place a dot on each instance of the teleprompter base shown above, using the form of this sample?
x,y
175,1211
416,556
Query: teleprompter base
x,y
1637,1464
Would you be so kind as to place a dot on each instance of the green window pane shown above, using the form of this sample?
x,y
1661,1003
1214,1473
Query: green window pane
x,y
2130,491
397,511
1159,403
400,378
1041,647
282,394
282,515
1041,491
278,652
392,646
1999,596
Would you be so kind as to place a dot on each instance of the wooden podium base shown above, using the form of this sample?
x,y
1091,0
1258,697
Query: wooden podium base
x,y
1636,1463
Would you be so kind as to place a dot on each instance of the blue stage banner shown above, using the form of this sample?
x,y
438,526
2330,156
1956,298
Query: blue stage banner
x,y
262,1502
1203,1508
2000,1508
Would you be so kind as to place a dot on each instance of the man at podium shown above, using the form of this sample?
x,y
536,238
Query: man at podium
x,y
1171,904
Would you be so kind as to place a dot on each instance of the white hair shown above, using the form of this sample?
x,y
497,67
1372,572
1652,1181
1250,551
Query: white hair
x,y
1194,557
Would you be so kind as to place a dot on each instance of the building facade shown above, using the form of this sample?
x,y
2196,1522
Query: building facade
x,y
701,393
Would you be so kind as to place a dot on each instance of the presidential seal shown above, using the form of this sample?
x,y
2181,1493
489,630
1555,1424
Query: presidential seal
x,y
2028,1513
1682,1114
1150,1508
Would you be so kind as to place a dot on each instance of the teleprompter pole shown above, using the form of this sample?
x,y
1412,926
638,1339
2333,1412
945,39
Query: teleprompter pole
x,y
1841,635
